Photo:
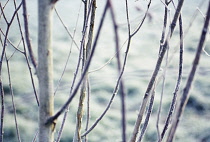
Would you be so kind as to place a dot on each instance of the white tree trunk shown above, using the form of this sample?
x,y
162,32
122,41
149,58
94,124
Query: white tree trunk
x,y
45,71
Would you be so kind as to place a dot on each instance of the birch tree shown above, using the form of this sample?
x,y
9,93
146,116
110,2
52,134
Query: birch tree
x,y
45,70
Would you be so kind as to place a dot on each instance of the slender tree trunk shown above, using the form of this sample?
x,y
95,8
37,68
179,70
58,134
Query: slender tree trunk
x,y
86,52
45,71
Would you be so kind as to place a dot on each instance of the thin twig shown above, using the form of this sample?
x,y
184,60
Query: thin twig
x,y
12,96
122,88
77,69
14,51
69,53
206,52
162,93
163,84
26,57
141,23
1,62
111,100
2,110
119,78
51,119
172,106
149,111
105,64
27,35
87,52
35,136
155,73
66,112
201,13
4,7
164,27
66,28
88,107
195,14
2,13
79,116
118,81
104,112
186,31
185,95
166,3
10,42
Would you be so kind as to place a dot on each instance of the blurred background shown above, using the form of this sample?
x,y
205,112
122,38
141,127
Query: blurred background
x,y
143,54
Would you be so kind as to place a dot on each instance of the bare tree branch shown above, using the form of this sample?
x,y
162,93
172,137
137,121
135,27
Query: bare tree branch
x,y
4,7
185,95
69,54
163,84
27,35
10,42
51,119
77,68
25,54
88,107
35,136
141,23
2,13
1,61
119,78
122,88
172,106
80,109
149,111
87,53
66,28
155,73
12,97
